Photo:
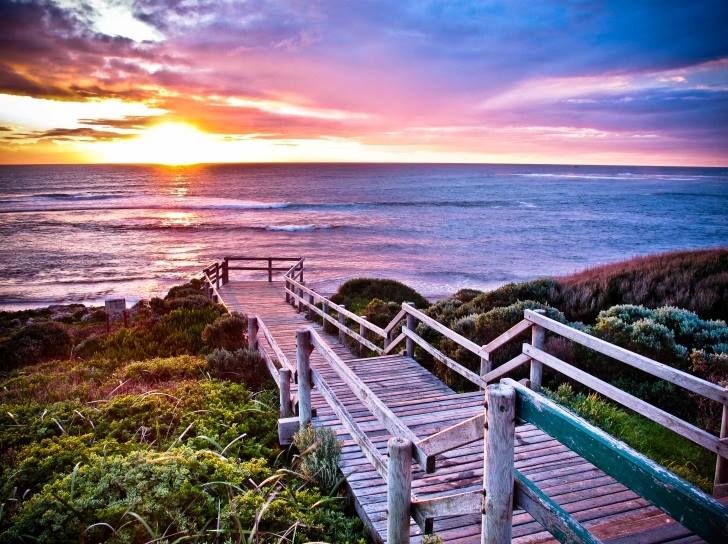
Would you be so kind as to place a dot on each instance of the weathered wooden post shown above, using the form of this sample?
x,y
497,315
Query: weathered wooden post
x,y
311,304
363,334
538,334
303,367
284,387
411,324
270,270
720,483
287,286
485,364
342,321
500,420
225,271
399,490
300,299
253,333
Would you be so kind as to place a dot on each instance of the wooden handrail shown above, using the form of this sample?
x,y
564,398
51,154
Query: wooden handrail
x,y
694,509
657,369
675,424
445,331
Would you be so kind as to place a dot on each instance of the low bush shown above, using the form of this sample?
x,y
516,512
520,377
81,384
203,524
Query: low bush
x,y
358,293
381,313
33,343
319,454
137,497
227,332
177,333
244,365
183,367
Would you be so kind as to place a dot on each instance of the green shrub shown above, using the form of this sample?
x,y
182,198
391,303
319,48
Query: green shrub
x,y
319,453
245,365
34,343
134,498
162,369
381,313
226,332
358,293
177,333
51,458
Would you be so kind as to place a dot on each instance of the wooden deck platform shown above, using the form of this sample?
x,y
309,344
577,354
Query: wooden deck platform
x,y
608,509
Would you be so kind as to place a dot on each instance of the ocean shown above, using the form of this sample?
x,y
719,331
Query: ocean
x,y
84,233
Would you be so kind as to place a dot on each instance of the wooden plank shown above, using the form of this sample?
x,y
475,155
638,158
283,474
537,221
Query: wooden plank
x,y
390,347
459,434
282,359
448,333
444,359
675,424
395,321
665,372
699,512
347,420
454,504
505,368
548,513
367,397
269,363
507,336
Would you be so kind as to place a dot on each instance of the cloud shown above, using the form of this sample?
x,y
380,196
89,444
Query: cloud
x,y
70,134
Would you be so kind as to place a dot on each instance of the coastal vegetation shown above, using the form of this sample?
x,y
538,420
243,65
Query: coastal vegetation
x,y
165,430
669,307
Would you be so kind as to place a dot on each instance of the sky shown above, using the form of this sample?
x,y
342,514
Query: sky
x,y
611,82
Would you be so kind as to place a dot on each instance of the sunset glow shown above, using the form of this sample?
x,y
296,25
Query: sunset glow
x,y
445,82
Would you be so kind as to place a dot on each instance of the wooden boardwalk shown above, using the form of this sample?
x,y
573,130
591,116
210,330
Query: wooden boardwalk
x,y
607,508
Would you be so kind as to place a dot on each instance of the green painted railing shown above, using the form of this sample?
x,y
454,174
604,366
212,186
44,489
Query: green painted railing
x,y
688,505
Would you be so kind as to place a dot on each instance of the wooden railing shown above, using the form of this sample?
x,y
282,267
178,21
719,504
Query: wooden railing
x,y
614,457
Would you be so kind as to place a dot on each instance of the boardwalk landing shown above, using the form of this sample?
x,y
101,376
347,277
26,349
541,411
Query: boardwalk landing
x,y
607,508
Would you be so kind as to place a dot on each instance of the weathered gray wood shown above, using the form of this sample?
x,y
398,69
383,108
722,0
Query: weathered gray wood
x,y
507,336
395,321
444,359
287,427
665,372
284,390
253,332
451,504
303,364
272,370
343,329
505,368
368,398
369,450
446,332
363,334
500,414
393,344
410,323
399,490
720,482
538,336
549,514
273,343
342,322
675,424
485,364
454,436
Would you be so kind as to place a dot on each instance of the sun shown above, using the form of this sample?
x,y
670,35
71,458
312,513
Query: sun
x,y
171,143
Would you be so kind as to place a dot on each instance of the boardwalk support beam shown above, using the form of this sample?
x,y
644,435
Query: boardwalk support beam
x,y
411,324
500,416
399,490
303,366
538,334
342,321
284,388
720,483
253,333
